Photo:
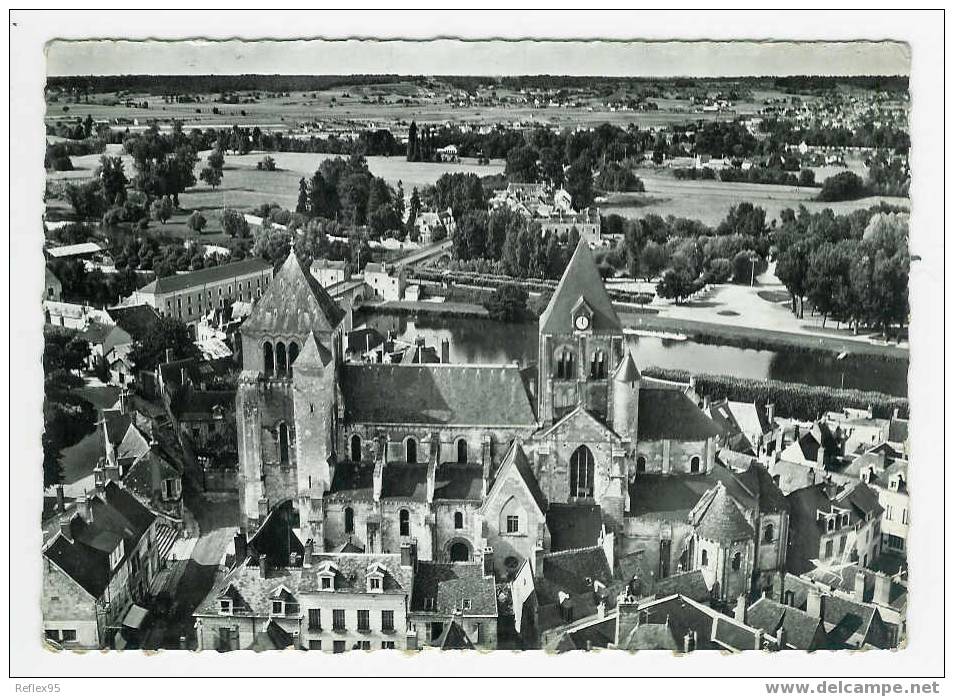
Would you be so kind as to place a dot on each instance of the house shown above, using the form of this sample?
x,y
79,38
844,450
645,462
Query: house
x,y
328,272
461,593
52,288
386,281
429,223
747,428
833,525
847,622
188,296
81,250
447,154
319,602
97,569
792,627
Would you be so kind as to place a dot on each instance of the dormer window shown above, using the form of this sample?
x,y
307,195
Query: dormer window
x,y
326,574
225,606
375,579
327,583
831,524
374,584
116,555
466,604
278,607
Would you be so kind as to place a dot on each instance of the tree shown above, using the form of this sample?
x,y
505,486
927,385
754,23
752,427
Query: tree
x,y
652,260
792,270
579,183
521,165
845,186
87,199
216,160
412,153
384,219
829,268
508,303
162,209
302,206
470,238
806,177
675,284
720,270
743,219
166,333
234,223
745,266
413,209
551,166
196,221
267,164
113,176
211,176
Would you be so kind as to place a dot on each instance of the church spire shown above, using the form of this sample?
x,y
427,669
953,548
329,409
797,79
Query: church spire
x,y
580,289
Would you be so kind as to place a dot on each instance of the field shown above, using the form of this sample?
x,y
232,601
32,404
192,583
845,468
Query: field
x,y
710,201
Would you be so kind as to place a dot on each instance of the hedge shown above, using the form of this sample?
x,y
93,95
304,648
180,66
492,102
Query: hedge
x,y
792,400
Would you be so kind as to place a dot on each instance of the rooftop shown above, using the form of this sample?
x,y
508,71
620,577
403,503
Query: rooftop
x,y
212,274
443,588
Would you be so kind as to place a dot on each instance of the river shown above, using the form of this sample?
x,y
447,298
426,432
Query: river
x,y
487,341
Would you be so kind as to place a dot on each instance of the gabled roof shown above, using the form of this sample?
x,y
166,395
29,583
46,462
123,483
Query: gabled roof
x,y
844,618
581,280
454,637
213,274
294,303
667,414
448,585
802,631
516,460
455,481
437,394
689,584
136,320
116,516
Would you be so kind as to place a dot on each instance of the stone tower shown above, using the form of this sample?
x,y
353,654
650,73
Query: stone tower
x,y
625,409
294,313
581,343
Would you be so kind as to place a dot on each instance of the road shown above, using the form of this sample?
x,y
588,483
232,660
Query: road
x,y
423,254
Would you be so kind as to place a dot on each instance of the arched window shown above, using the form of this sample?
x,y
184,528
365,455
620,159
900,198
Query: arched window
x,y
283,443
459,552
356,448
640,464
458,520
598,365
292,355
462,451
565,368
581,473
737,561
705,558
404,520
281,360
694,464
768,533
269,359
349,520
410,450
570,358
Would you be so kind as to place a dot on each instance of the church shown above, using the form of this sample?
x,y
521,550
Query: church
x,y
493,462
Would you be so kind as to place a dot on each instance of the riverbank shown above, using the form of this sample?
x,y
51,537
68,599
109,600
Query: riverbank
x,y
760,339
418,307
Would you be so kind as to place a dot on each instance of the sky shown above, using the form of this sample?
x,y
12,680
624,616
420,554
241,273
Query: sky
x,y
454,57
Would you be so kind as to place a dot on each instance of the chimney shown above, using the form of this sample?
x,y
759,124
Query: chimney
x,y
488,561
627,618
770,412
66,526
740,609
83,506
882,589
60,499
240,542
377,479
859,594
601,609
262,509
689,642
409,553
263,565
445,353
813,605
759,635
538,561
293,559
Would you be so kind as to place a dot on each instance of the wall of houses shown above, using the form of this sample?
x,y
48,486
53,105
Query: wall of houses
x,y
895,519
375,603
644,534
512,499
66,606
445,534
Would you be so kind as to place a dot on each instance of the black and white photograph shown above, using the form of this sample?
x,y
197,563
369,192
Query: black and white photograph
x,y
452,349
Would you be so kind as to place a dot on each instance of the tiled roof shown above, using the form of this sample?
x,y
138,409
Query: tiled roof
x,y
353,480
116,516
146,473
293,303
449,585
718,518
846,617
436,394
690,584
251,593
569,570
364,339
213,274
801,629
580,280
573,526
898,430
459,482
136,320
404,481
667,414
